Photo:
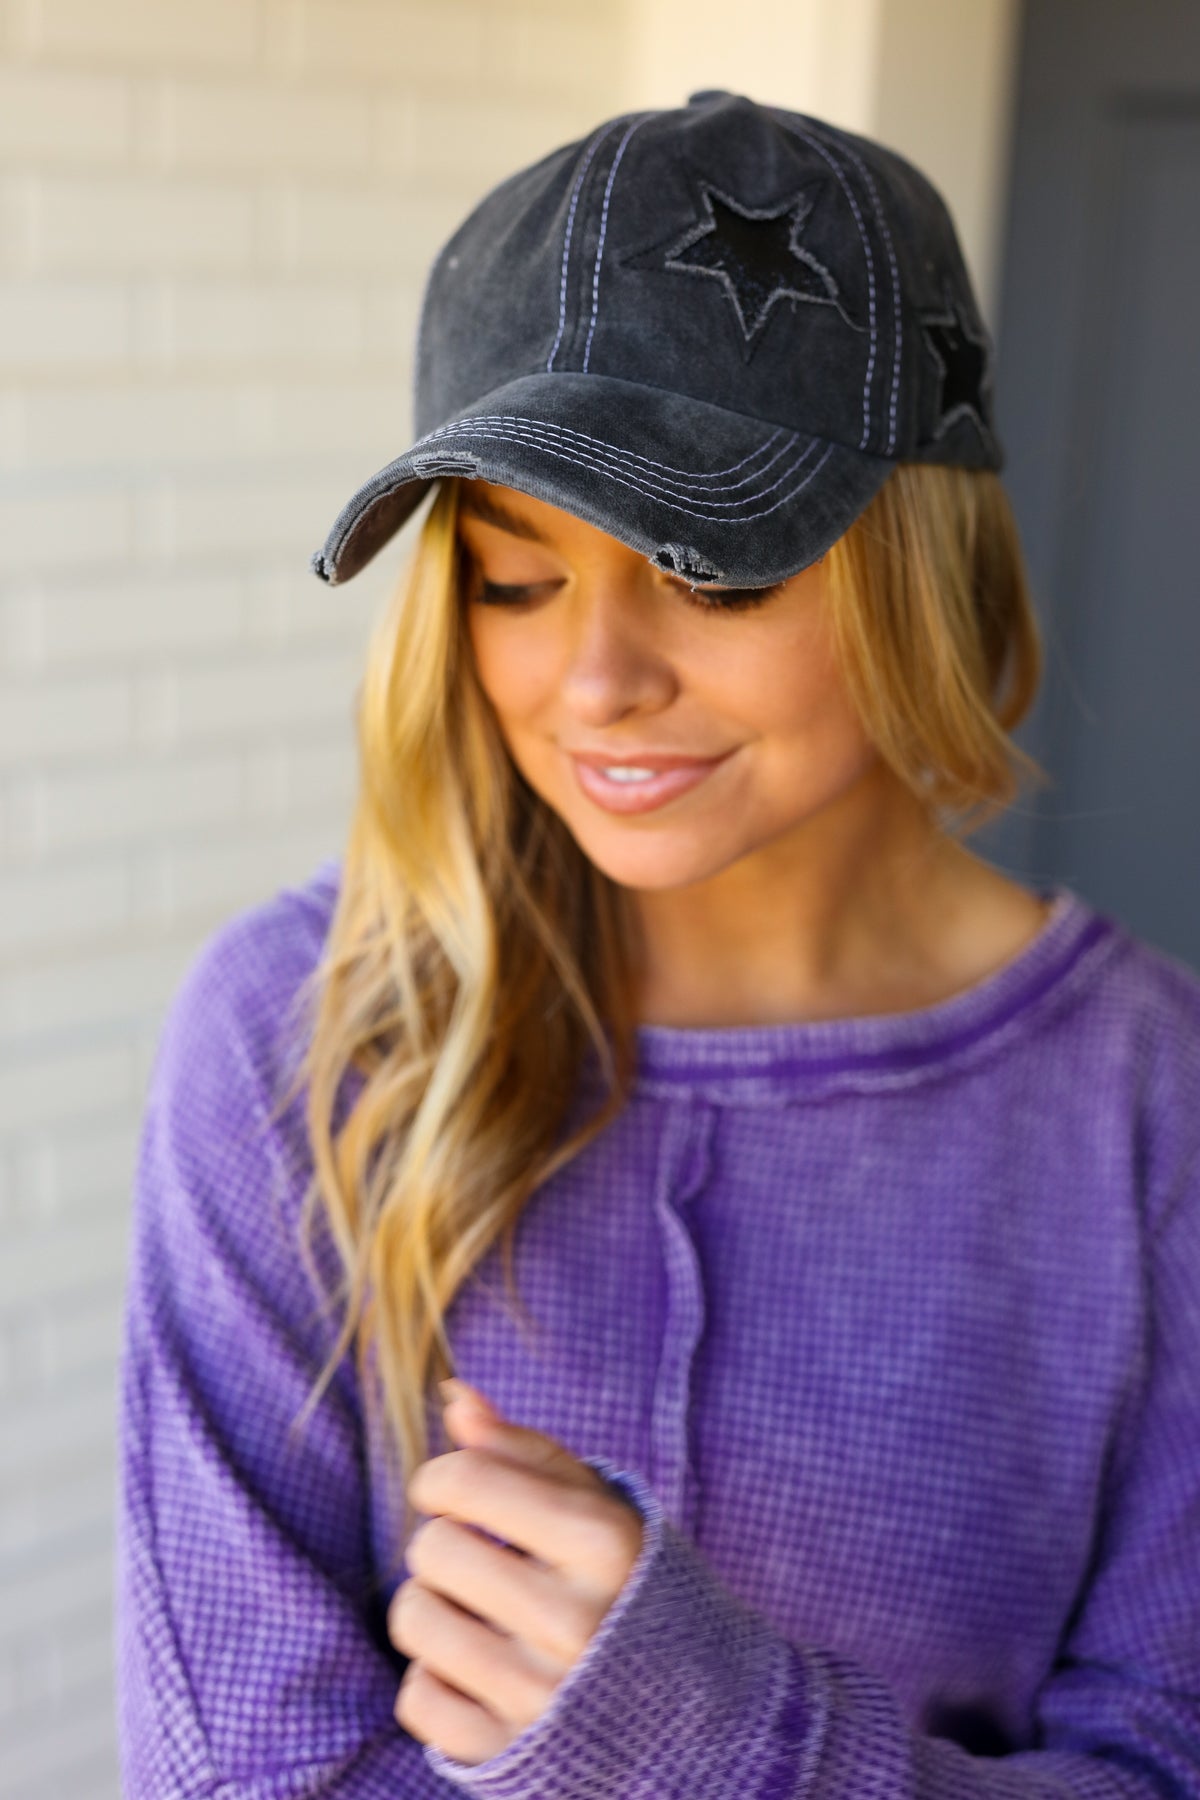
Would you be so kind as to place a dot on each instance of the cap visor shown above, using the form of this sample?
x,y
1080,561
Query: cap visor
x,y
708,493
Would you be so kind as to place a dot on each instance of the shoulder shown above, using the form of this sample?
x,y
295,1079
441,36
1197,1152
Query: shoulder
x,y
1156,996
1148,1007
258,957
222,1165
222,1106
244,987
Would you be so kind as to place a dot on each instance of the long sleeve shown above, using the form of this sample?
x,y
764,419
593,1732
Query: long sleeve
x,y
686,1690
252,1658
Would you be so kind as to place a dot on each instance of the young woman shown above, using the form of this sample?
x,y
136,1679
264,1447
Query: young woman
x,y
811,1210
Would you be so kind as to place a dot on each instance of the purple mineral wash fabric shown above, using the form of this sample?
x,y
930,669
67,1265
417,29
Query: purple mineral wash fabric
x,y
889,1326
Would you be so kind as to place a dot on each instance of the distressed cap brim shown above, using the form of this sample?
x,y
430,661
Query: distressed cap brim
x,y
708,493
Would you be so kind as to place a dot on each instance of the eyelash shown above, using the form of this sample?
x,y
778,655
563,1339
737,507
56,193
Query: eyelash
x,y
494,593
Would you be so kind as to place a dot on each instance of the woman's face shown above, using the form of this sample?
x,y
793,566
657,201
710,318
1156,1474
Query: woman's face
x,y
603,653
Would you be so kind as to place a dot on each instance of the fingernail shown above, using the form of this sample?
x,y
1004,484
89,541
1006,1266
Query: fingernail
x,y
454,1389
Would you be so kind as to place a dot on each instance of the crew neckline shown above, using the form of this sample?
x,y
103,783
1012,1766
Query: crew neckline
x,y
813,1056
886,1044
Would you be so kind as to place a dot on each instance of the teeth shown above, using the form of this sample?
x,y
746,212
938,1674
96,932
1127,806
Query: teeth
x,y
627,772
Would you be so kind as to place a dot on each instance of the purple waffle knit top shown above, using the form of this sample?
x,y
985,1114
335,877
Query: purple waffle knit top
x,y
889,1327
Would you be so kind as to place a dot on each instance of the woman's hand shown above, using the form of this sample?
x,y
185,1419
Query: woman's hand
x,y
491,1631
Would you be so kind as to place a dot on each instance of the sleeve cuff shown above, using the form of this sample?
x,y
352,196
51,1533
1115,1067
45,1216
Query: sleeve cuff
x,y
683,1688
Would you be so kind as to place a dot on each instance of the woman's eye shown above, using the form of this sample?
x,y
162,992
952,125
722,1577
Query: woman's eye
x,y
498,593
729,599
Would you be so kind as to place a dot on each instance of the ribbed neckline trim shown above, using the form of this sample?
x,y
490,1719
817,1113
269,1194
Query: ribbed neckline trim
x,y
884,1045
888,1043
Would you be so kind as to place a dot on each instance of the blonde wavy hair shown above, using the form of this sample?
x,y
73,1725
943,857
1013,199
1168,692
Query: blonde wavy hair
x,y
475,953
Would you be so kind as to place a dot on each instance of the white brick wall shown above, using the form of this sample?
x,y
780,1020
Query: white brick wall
x,y
215,220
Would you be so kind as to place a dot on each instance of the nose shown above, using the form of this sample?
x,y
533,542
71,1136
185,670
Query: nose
x,y
615,662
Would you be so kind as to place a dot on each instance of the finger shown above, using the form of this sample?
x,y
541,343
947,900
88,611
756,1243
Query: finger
x,y
567,1526
512,1593
472,1656
435,1712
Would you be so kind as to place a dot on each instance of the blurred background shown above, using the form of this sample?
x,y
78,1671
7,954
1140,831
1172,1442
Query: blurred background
x,y
215,221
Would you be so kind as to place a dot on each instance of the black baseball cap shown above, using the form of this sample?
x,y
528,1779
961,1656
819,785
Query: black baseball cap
x,y
711,330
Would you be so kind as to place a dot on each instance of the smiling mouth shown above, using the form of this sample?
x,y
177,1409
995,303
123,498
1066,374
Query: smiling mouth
x,y
634,794
657,760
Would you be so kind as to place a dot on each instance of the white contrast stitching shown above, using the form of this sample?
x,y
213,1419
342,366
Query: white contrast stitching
x,y
891,250
691,512
615,452
821,150
655,494
608,187
562,293
537,437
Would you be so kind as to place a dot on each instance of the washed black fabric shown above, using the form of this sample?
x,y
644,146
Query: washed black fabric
x,y
711,330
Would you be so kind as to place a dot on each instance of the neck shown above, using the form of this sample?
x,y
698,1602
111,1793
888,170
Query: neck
x,y
873,909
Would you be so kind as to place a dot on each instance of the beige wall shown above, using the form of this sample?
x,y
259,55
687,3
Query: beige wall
x,y
816,56
932,78
215,219
943,95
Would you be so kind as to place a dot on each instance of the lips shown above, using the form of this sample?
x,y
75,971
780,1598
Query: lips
x,y
675,776
639,759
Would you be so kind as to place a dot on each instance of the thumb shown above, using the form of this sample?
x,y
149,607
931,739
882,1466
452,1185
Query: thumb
x,y
473,1422
468,1412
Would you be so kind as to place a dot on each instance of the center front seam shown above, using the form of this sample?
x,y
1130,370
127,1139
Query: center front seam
x,y
683,1169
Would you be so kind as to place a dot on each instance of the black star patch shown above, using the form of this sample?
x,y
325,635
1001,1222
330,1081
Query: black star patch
x,y
964,363
755,254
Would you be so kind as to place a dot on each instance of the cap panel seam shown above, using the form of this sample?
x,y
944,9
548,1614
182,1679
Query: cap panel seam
x,y
823,150
597,140
608,187
869,179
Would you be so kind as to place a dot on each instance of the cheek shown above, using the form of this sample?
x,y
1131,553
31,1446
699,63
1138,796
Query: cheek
x,y
516,666
803,703
786,680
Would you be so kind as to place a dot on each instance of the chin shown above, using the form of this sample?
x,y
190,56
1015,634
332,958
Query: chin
x,y
647,862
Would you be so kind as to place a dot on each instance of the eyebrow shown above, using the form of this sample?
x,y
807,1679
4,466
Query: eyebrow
x,y
479,505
